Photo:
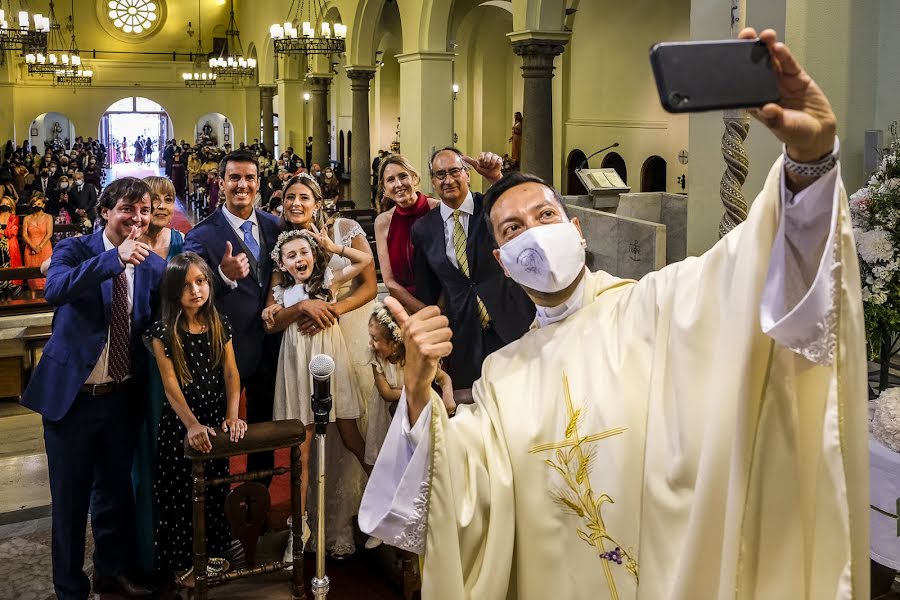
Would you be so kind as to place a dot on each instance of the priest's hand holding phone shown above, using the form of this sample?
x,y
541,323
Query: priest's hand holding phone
x,y
426,335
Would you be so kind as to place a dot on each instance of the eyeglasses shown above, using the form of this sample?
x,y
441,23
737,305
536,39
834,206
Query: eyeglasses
x,y
454,173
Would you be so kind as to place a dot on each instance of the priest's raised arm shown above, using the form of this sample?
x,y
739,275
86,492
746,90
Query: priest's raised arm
x,y
697,434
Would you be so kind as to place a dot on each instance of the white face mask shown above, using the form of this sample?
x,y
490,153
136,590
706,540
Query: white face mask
x,y
547,258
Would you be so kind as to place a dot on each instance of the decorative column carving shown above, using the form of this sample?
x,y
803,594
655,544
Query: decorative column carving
x,y
737,165
319,91
537,104
360,189
266,96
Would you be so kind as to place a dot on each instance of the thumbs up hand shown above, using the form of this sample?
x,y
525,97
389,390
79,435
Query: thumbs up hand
x,y
234,266
131,251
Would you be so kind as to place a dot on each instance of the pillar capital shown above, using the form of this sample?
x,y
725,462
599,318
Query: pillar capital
x,y
267,89
360,76
319,82
538,55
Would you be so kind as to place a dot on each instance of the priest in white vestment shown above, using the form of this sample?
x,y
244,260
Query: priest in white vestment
x,y
697,435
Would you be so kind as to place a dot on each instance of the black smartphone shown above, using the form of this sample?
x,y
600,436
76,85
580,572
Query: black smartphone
x,y
713,75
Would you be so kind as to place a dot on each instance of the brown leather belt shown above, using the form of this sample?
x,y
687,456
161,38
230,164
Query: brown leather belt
x,y
100,389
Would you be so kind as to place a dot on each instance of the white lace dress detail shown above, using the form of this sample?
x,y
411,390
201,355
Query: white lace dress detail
x,y
821,344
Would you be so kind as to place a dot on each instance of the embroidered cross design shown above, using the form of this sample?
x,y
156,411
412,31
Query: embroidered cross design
x,y
574,456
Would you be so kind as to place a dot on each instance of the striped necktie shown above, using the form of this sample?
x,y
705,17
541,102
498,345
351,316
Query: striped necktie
x,y
459,245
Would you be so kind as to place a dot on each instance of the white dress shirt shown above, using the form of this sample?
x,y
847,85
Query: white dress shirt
x,y
100,374
236,223
467,209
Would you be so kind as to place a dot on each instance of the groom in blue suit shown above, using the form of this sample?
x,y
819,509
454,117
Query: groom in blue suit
x,y
88,385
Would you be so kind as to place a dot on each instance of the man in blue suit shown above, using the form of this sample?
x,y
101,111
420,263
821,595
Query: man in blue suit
x,y
88,385
235,241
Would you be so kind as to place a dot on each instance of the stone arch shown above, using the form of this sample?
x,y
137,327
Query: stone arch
x,y
574,187
653,174
539,15
614,160
434,24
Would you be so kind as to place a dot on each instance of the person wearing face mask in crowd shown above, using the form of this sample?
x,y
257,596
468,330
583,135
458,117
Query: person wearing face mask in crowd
x,y
63,214
92,174
452,257
398,181
316,172
44,184
331,187
83,197
38,233
10,256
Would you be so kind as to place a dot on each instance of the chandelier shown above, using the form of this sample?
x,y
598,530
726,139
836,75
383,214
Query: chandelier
x,y
289,40
57,57
231,62
73,73
17,35
199,77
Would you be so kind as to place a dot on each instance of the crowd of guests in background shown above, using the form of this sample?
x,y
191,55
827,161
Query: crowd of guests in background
x,y
45,197
237,306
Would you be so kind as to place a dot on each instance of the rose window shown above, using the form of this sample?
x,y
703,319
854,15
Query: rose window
x,y
133,16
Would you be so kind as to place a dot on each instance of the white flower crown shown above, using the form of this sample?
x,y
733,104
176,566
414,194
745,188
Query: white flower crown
x,y
287,236
384,316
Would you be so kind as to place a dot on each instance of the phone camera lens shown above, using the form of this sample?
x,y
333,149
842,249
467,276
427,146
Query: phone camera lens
x,y
678,99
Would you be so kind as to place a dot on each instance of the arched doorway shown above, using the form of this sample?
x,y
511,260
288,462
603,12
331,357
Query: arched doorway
x,y
574,187
126,120
51,129
212,129
615,161
653,175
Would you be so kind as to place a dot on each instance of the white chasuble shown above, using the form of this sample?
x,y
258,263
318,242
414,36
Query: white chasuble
x,y
656,444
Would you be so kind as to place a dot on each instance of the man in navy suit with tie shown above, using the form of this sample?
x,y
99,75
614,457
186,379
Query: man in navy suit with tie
x,y
235,241
88,385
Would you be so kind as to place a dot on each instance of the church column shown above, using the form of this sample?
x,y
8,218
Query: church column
x,y
537,55
318,89
426,105
291,115
360,190
266,96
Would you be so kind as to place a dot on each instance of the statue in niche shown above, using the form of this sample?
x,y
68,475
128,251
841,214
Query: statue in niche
x,y
516,140
395,145
206,137
57,130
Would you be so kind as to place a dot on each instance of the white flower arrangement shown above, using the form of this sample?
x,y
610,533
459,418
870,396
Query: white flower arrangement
x,y
875,212
886,420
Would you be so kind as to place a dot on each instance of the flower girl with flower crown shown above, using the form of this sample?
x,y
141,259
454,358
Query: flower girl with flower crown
x,y
302,258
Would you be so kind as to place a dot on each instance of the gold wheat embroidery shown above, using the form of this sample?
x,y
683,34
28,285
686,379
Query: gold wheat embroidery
x,y
574,458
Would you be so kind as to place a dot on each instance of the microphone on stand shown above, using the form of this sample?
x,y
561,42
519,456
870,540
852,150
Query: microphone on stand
x,y
321,367
585,161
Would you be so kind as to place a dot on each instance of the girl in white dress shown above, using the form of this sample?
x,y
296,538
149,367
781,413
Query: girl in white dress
x,y
303,257
388,356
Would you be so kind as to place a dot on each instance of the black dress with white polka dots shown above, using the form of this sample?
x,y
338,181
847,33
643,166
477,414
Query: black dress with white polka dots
x,y
172,488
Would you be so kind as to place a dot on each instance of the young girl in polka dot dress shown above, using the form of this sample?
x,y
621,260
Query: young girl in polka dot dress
x,y
192,346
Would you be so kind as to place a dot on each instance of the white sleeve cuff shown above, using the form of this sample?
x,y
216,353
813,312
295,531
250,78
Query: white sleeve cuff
x,y
228,282
798,300
394,504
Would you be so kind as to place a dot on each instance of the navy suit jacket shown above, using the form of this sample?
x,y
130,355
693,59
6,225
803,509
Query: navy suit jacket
x,y
244,304
510,308
79,285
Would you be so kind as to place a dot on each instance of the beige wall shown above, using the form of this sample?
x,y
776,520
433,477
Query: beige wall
x,y
607,90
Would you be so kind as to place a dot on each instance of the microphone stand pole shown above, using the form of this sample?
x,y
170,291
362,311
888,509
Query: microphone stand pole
x,y
321,583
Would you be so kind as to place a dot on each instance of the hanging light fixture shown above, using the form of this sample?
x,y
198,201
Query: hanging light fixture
x,y
72,71
17,33
56,54
231,62
290,40
200,75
